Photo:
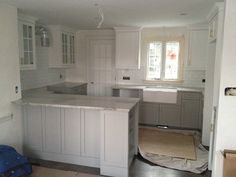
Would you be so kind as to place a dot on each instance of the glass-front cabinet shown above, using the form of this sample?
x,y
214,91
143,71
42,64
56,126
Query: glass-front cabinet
x,y
62,50
68,48
26,30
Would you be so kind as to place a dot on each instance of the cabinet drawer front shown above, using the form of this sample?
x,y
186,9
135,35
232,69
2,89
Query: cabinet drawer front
x,y
190,96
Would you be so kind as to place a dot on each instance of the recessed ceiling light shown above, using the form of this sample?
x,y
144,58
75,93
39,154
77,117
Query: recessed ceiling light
x,y
183,14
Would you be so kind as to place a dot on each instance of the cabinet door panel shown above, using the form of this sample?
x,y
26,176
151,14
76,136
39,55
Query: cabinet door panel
x,y
90,139
26,44
127,49
169,115
33,128
71,131
52,130
190,113
149,113
198,49
114,148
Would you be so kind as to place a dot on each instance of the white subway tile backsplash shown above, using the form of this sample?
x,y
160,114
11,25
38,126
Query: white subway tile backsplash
x,y
43,75
192,78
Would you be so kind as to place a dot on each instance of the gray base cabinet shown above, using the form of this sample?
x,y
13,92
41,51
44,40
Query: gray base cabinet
x,y
149,113
187,113
170,115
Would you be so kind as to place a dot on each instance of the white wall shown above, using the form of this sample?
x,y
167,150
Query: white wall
x,y
79,73
226,123
42,75
10,131
192,78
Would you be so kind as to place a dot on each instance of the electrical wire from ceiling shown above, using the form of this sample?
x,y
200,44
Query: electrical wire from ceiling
x,y
101,15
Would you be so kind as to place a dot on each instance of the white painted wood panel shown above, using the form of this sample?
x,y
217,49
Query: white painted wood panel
x,y
52,130
71,127
127,48
198,49
33,128
115,147
90,133
101,64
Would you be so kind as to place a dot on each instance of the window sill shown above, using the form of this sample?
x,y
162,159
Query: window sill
x,y
164,81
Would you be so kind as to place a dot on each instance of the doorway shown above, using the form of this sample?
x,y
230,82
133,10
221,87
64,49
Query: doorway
x,y
101,67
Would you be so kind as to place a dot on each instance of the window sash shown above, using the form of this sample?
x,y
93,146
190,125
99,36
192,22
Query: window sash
x,y
163,60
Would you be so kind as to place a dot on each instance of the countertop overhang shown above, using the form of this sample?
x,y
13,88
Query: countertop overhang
x,y
45,98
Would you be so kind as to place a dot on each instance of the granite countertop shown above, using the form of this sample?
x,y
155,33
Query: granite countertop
x,y
141,87
45,98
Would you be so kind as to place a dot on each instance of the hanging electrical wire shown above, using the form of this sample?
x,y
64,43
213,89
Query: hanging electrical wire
x,y
101,15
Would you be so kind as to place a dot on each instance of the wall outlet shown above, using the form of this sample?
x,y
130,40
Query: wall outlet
x,y
126,78
16,89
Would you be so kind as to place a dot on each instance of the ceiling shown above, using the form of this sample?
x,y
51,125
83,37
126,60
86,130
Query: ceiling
x,y
83,14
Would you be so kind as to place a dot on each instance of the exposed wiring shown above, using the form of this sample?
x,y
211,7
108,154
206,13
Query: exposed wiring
x,y
100,13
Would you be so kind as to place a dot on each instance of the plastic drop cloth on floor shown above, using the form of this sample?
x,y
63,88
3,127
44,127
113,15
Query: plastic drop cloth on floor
x,y
196,166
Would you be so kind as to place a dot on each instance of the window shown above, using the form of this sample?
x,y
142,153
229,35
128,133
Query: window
x,y
164,61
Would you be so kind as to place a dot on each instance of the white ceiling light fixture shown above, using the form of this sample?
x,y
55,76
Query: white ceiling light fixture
x,y
101,15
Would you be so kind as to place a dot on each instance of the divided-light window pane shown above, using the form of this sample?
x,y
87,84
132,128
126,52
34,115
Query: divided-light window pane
x,y
172,60
163,60
154,60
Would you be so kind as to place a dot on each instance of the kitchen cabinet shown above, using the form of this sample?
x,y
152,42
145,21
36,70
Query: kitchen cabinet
x,y
33,130
90,133
71,131
197,51
84,136
170,115
186,113
149,113
127,47
52,130
26,31
190,110
117,151
212,32
62,47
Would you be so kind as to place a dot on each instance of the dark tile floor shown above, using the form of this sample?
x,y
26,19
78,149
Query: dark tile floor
x,y
139,168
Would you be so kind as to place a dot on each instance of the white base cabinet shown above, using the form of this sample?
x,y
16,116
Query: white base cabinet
x,y
91,137
71,131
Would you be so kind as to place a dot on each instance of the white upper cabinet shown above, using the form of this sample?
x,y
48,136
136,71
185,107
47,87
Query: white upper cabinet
x,y
197,51
213,19
62,47
128,47
212,32
26,30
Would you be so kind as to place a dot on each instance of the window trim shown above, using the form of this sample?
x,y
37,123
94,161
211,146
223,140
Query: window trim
x,y
165,40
